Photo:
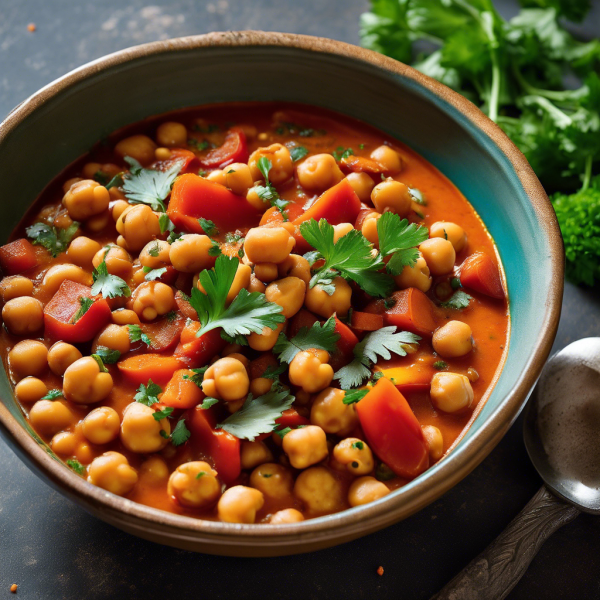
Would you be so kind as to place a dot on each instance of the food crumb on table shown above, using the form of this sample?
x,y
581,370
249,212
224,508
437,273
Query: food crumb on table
x,y
31,27
380,571
13,588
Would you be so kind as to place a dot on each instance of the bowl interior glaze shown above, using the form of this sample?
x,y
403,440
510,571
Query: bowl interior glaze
x,y
60,123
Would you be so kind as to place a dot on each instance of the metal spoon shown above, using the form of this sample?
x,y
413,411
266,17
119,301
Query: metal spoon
x,y
562,437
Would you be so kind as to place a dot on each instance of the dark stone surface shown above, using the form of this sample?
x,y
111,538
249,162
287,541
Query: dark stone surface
x,y
53,549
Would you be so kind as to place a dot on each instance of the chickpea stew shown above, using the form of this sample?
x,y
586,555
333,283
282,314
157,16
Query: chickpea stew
x,y
253,313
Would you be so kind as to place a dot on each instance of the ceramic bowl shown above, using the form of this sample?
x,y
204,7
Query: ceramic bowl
x,y
63,120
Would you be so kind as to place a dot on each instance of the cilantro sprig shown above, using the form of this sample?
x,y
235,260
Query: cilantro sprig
x,y
458,300
398,238
248,313
148,394
137,335
54,239
267,192
321,337
110,286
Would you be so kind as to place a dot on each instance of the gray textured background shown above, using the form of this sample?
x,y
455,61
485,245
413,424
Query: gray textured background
x,y
55,550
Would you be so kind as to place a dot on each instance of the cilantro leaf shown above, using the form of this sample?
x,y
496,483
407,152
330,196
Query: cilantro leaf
x,y
321,337
165,223
234,339
353,374
55,240
208,402
398,238
76,466
52,395
340,152
100,363
298,153
85,304
147,186
458,300
137,335
148,394
116,181
153,274
274,372
108,355
209,228
197,377
351,257
110,286
440,365
159,415
181,434
257,415
354,396
248,313
215,249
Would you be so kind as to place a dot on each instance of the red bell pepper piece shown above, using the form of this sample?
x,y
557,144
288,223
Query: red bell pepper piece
x,y
392,430
194,197
411,311
191,163
181,392
291,418
164,333
17,257
158,367
60,312
363,321
480,273
345,346
195,351
234,149
415,378
219,446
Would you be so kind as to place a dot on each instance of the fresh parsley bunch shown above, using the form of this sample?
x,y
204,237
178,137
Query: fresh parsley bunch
x,y
515,71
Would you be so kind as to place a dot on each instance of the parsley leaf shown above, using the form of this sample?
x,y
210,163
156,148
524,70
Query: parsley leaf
x,y
197,377
351,257
321,337
159,415
153,274
267,192
108,355
340,152
298,153
274,372
354,396
181,434
100,362
55,240
52,395
208,402
110,286
257,415
458,300
248,313
76,466
440,365
147,186
209,228
398,238
215,249
137,335
358,445
165,223
148,394
382,343
85,304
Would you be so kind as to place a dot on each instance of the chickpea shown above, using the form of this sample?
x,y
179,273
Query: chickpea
x,y
295,266
141,432
232,349
339,231
112,472
417,276
435,441
217,176
61,356
310,371
70,182
256,285
86,199
84,384
117,259
452,232
124,316
319,490
454,339
369,228
119,207
84,453
55,276
227,379
388,158
266,272
90,169
138,226
139,147
451,392
321,303
82,250
366,489
195,485
282,167
362,184
171,134
274,481
238,178
256,201
319,172
154,471
115,337
155,254
240,504
101,425
266,340
268,244
30,389
64,443
288,293
51,416
330,413
260,386
254,454
392,196
99,222
189,254
15,287
355,454
287,515
28,357
151,299
439,254
23,315
306,446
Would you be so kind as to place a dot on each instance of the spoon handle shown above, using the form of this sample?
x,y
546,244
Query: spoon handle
x,y
494,573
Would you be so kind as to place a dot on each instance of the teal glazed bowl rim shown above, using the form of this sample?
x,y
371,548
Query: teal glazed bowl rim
x,y
443,126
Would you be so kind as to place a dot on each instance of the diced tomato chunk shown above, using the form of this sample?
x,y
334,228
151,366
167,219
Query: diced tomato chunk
x,y
392,430
165,332
17,257
291,418
181,392
480,273
60,313
194,197
234,149
143,367
344,346
195,351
